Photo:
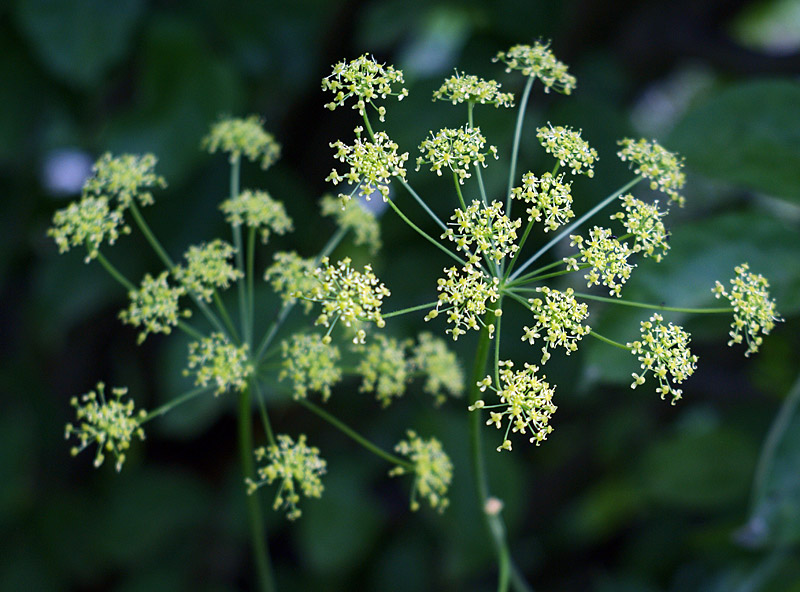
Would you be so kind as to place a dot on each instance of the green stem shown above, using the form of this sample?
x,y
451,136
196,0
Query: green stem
x,y
426,236
397,313
262,407
458,192
421,202
151,238
237,243
519,249
115,273
251,254
166,407
512,169
533,275
653,306
609,341
478,175
189,330
225,316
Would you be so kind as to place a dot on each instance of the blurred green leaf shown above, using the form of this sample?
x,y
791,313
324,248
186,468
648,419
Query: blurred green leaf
x,y
748,134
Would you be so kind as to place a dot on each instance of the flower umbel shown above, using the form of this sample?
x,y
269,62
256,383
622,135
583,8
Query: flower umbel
x,y
352,216
664,351
109,422
466,88
245,137
365,79
643,221
607,259
310,364
154,306
568,148
258,210
220,362
538,61
124,178
88,223
297,467
433,470
292,275
207,268
484,230
385,369
661,166
753,310
548,196
560,316
455,149
440,365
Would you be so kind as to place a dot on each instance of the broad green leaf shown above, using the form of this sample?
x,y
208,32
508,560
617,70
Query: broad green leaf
x,y
747,134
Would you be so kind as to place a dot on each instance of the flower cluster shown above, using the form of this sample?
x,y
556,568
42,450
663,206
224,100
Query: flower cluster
x,y
463,295
662,167
258,210
310,363
154,306
372,165
607,259
664,351
220,362
753,310
487,228
296,466
352,216
526,403
560,316
385,369
87,223
292,275
433,470
365,79
348,295
455,149
548,196
568,148
109,422
539,62
124,178
208,267
464,88
243,136
440,365
643,221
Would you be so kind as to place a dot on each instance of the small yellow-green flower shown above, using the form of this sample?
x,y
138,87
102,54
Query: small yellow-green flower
x,y
433,470
661,166
455,149
352,216
366,80
219,362
559,315
607,259
466,88
208,267
247,137
292,275
549,198
385,369
526,403
311,364
440,365
124,178
258,210
154,306
568,148
753,310
296,466
664,351
538,61
109,422
484,230
643,221
88,223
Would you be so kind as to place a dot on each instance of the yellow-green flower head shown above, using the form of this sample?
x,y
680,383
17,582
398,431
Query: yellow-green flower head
x,y
466,88
643,221
753,310
296,467
215,360
661,166
292,275
440,365
385,369
352,216
463,295
559,315
310,363
247,137
433,470
539,62
348,296
88,223
607,259
258,210
109,422
366,80
372,165
549,198
526,403
124,178
154,306
455,149
568,148
664,351
484,230
208,267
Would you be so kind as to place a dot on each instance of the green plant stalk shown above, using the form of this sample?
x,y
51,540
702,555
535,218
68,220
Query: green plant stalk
x,y
609,341
251,255
237,243
397,313
115,273
179,400
426,236
512,169
225,316
653,306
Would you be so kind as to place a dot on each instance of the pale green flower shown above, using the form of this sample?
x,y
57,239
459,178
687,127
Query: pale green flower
x,y
245,137
455,149
109,422
257,209
548,196
352,216
440,365
311,364
643,221
484,230
154,306
219,362
124,178
466,88
526,403
662,167
538,61
559,315
297,467
208,267
607,259
366,80
664,351
292,275
568,148
88,223
433,470
753,310
385,369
